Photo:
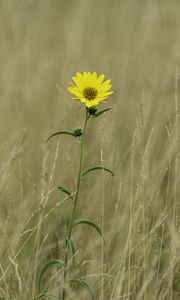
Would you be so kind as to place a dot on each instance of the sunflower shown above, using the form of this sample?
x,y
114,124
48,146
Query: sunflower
x,y
90,88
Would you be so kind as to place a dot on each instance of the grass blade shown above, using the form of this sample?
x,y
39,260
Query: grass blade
x,y
98,168
45,295
62,190
87,222
48,264
84,285
59,133
100,113
71,247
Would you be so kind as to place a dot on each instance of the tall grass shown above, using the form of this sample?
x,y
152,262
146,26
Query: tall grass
x,y
136,43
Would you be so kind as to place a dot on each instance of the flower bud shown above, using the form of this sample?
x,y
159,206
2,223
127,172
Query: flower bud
x,y
77,132
92,110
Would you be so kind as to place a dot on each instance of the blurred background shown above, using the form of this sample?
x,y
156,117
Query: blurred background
x,y
136,44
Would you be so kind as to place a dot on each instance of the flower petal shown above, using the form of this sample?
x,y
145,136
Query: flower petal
x,y
75,91
103,94
100,79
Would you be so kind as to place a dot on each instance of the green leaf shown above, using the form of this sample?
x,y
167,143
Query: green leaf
x,y
84,285
71,247
48,264
97,168
58,133
87,222
45,295
64,191
100,113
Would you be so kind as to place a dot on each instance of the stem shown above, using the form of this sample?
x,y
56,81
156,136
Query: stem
x,y
75,204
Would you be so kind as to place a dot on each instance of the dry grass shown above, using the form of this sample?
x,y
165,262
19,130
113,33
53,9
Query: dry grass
x,y
136,43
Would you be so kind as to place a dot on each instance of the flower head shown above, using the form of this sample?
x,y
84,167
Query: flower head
x,y
90,88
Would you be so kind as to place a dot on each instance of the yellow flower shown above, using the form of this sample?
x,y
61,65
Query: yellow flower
x,y
90,88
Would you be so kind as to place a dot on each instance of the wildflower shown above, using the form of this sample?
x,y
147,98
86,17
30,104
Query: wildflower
x,y
90,88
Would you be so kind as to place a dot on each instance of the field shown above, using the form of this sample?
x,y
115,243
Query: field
x,y
136,43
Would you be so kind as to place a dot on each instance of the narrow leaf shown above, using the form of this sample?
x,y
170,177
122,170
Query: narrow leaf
x,y
100,113
71,247
58,133
98,168
64,191
84,285
48,264
45,295
87,222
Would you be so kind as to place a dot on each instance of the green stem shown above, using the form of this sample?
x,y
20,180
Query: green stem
x,y
75,204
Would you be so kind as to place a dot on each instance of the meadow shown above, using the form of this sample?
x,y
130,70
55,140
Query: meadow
x,y
136,43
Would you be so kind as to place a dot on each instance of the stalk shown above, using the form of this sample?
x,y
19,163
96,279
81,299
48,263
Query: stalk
x,y
63,293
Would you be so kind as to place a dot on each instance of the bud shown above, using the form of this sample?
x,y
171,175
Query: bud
x,y
77,132
92,110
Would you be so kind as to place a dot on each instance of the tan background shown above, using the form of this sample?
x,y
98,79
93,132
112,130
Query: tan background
x,y
136,44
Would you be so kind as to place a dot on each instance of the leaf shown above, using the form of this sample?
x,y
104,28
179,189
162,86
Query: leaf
x,y
48,264
71,247
84,285
44,295
87,222
97,168
58,133
100,113
63,190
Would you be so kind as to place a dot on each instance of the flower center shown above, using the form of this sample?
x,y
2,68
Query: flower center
x,y
90,93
